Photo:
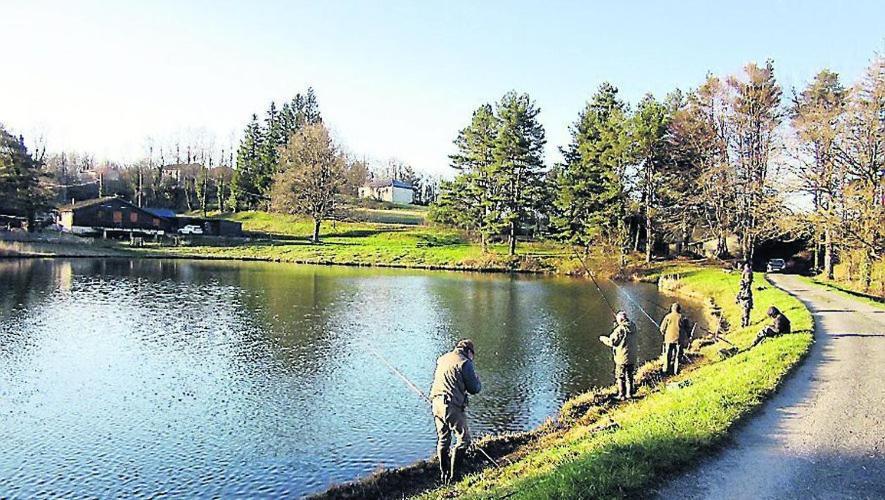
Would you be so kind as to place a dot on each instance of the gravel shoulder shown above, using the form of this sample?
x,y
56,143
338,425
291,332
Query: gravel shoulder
x,y
823,434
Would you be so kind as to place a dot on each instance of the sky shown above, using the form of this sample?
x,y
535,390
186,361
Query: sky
x,y
393,78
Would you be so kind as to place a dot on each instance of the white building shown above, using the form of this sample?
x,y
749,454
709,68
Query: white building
x,y
390,190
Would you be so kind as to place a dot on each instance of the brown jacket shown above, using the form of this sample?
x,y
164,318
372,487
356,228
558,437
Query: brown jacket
x,y
674,327
454,379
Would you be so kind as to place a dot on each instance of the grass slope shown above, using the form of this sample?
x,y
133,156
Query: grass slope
x,y
668,430
369,243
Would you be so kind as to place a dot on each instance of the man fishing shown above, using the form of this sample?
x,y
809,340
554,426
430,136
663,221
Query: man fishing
x,y
745,299
453,380
622,340
675,329
779,325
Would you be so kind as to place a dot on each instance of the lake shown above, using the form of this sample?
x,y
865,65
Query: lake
x,y
208,378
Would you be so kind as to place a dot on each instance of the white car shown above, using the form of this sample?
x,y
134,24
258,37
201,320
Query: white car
x,y
191,229
775,265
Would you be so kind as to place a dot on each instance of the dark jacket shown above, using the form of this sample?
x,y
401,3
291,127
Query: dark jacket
x,y
455,378
623,342
780,324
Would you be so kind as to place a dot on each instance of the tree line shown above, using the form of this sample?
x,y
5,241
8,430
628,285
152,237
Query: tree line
x,y
729,157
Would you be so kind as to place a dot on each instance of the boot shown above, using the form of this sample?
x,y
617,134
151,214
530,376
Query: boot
x,y
444,466
622,389
457,462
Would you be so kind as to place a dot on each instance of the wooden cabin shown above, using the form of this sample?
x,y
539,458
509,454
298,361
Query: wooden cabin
x,y
111,216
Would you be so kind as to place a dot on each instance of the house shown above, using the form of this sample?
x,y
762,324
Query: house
x,y
110,216
391,190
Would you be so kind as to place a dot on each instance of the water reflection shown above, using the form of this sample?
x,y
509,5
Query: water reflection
x,y
144,377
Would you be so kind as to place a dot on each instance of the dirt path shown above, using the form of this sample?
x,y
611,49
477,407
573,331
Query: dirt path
x,y
823,434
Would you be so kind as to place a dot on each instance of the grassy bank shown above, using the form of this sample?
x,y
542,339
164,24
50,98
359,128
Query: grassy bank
x,y
599,448
285,239
673,425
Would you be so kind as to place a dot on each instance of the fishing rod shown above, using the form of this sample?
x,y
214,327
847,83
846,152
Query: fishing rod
x,y
420,393
587,270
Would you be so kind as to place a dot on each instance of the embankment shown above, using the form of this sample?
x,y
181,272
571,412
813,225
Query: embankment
x,y
598,447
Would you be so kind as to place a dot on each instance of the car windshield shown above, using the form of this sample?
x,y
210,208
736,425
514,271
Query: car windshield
x,y
776,262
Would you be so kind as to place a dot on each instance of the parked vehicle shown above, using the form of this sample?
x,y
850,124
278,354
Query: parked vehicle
x,y
191,229
775,266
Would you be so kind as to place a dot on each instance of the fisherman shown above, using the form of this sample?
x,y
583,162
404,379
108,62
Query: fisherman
x,y
745,299
622,340
778,326
747,275
453,380
674,328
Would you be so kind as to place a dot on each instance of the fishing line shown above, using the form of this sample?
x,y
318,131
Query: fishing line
x,y
420,393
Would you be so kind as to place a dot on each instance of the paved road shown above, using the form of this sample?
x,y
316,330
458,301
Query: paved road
x,y
823,434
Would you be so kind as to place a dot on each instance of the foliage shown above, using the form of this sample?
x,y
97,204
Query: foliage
x,y
23,183
311,171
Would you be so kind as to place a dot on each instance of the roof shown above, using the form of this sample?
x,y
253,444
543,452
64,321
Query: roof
x,y
390,182
90,203
161,212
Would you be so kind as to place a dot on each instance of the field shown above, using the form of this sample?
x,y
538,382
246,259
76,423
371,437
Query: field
x,y
371,242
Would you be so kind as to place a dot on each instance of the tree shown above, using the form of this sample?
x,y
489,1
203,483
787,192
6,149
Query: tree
x,y
518,160
23,183
755,114
355,176
816,116
312,169
860,151
244,191
590,198
648,128
475,185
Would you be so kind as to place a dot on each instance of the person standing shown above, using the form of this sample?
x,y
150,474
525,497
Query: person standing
x,y
674,328
747,275
622,340
453,380
745,299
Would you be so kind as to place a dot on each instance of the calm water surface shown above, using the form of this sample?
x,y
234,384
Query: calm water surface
x,y
193,378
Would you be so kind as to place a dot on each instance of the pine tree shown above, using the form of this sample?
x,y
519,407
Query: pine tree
x,y
590,191
244,191
476,193
23,187
518,166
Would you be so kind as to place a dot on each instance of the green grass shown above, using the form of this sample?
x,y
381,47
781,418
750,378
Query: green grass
x,y
286,239
845,291
669,429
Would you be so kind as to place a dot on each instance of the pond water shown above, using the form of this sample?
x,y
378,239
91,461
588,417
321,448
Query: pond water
x,y
207,378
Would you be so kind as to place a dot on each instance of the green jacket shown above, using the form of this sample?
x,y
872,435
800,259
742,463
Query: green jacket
x,y
623,342
455,378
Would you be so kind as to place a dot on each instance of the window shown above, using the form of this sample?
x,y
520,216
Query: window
x,y
156,222
133,216
118,216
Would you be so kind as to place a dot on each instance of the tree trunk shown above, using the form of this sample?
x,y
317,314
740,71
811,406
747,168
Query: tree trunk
x,y
828,253
512,250
649,238
636,239
316,230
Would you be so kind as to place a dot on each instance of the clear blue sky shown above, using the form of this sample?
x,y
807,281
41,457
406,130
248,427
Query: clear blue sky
x,y
394,79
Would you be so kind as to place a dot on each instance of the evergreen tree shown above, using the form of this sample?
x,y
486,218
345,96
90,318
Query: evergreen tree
x,y
476,186
518,166
23,189
591,194
244,190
